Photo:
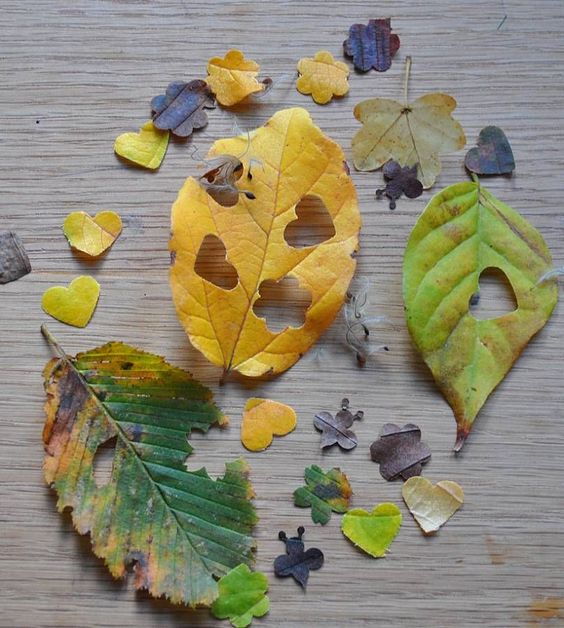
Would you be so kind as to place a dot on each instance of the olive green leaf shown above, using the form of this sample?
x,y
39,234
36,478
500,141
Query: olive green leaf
x,y
181,529
241,596
463,231
324,492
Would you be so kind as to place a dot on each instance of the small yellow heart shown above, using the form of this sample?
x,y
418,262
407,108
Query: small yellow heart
x,y
146,148
432,506
263,419
92,235
73,305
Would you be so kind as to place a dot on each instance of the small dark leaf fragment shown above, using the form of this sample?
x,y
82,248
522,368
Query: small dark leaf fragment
x,y
400,181
219,182
492,155
372,45
335,429
399,451
181,109
296,562
14,262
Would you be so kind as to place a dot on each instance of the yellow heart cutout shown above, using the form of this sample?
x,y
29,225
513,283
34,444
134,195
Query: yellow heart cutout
x,y
146,148
92,235
73,305
432,506
263,419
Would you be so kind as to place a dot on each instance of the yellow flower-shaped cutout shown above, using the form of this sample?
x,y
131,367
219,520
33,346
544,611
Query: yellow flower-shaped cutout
x,y
73,305
322,77
263,419
146,148
233,78
92,235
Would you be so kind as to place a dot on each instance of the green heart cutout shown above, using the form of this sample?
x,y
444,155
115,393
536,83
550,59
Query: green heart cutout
x,y
373,532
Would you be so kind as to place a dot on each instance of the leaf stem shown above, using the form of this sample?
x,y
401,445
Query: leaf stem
x,y
406,79
52,341
475,178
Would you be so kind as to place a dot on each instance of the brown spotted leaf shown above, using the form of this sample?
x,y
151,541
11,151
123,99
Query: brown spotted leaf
x,y
180,529
181,109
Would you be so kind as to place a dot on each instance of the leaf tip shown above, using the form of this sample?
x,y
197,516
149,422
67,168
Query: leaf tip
x,y
461,436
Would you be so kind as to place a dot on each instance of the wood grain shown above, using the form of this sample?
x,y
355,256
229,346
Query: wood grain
x,y
73,75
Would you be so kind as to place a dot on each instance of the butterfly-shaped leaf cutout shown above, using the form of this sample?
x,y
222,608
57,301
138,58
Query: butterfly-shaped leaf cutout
x,y
297,562
400,181
336,429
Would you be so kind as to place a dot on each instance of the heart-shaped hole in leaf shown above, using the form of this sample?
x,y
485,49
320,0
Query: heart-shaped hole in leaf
x,y
495,296
282,303
103,463
212,265
312,226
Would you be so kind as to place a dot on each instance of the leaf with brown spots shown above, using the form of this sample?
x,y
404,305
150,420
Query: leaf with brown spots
x,y
464,231
180,529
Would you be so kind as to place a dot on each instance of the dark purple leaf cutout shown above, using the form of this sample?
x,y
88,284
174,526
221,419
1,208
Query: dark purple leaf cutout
x,y
372,45
296,562
399,451
181,109
335,429
400,181
492,155
14,262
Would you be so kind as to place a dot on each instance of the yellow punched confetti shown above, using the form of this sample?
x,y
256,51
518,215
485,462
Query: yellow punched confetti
x,y
233,78
322,77
146,148
90,235
73,305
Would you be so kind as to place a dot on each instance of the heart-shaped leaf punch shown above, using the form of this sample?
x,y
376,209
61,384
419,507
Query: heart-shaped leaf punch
x,y
372,532
73,305
263,419
432,506
146,148
492,155
92,236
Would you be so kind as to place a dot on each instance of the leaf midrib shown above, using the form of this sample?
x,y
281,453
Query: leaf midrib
x,y
122,436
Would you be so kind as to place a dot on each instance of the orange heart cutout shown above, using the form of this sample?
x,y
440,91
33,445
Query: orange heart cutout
x,y
263,419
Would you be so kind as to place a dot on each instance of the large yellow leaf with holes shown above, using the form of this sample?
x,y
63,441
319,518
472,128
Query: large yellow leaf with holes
x,y
291,159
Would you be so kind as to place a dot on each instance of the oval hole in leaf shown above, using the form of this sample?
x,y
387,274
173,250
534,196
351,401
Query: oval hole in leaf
x,y
495,296
103,462
282,303
212,265
312,226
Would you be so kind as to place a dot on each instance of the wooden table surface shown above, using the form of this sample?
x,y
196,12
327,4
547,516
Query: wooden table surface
x,y
74,75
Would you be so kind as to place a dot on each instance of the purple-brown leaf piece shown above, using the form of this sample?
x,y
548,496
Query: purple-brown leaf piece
x,y
399,451
335,429
400,181
492,155
14,262
181,109
296,562
372,45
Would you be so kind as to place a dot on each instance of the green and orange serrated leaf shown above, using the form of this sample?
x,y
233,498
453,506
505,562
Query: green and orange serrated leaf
x,y
180,530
